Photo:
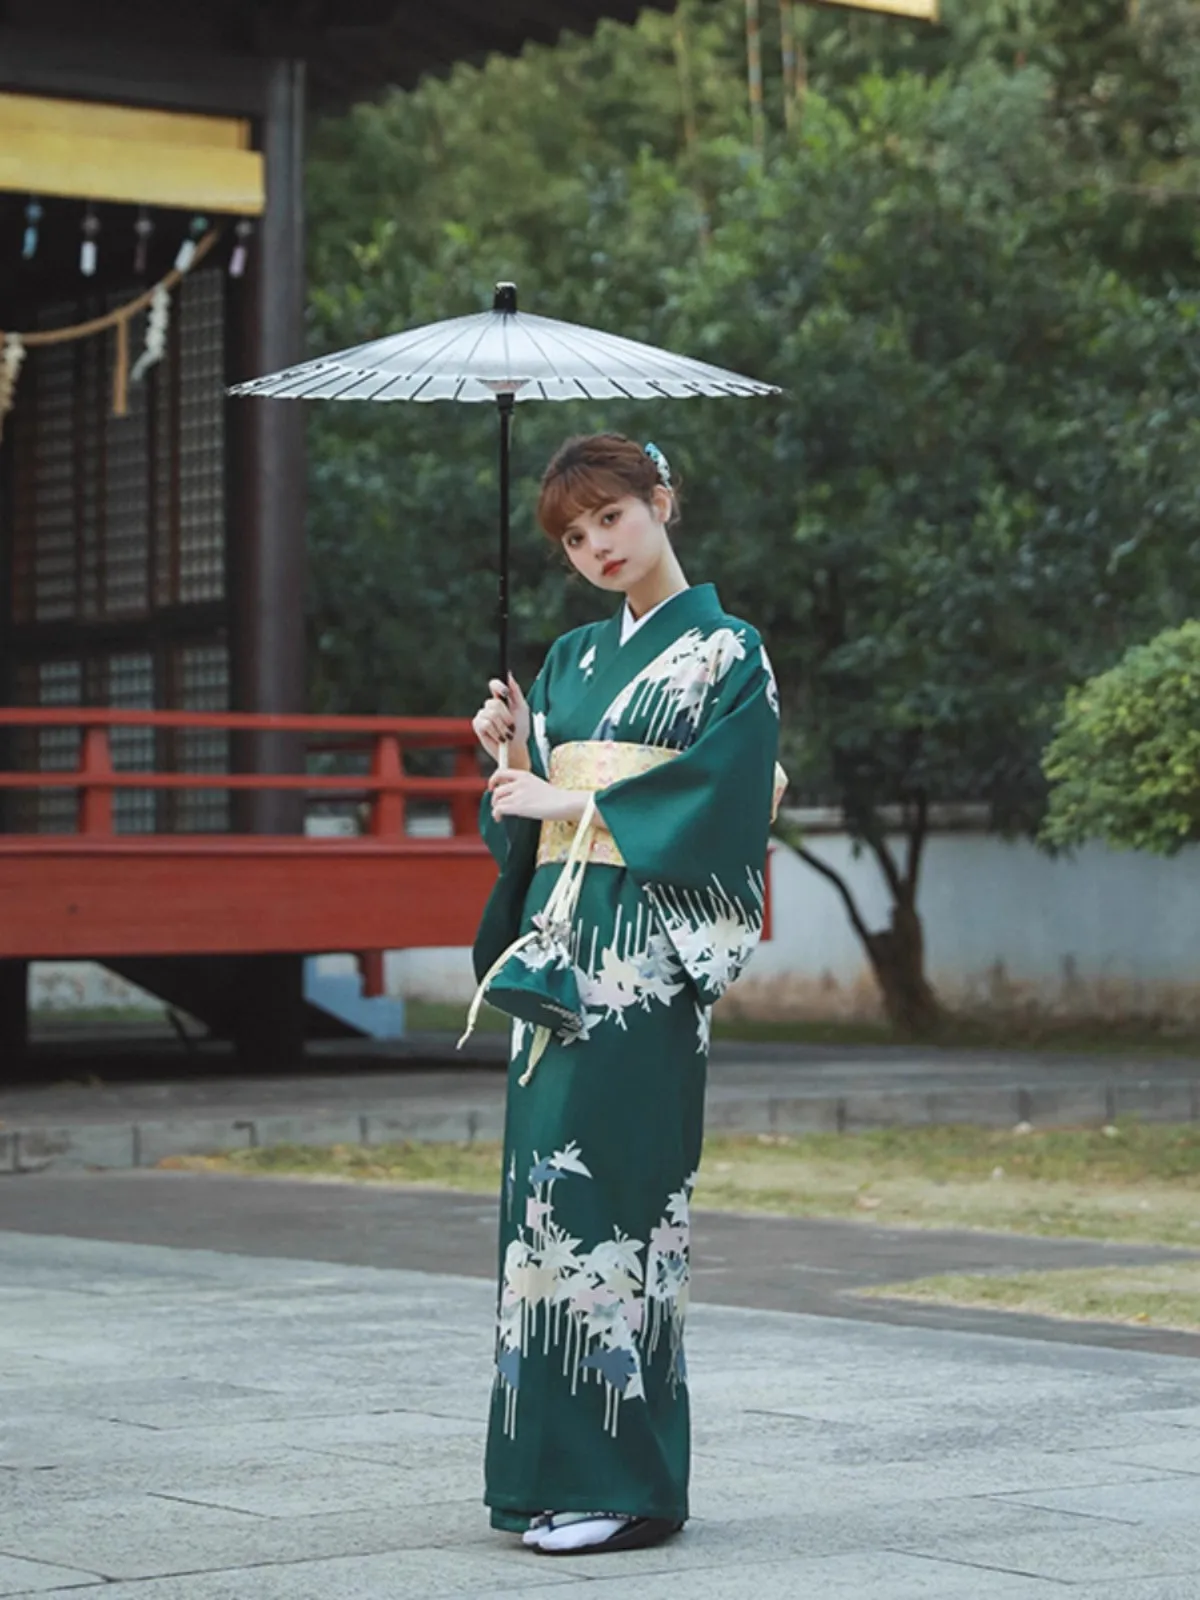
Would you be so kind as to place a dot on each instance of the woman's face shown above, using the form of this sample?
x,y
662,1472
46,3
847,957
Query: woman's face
x,y
619,543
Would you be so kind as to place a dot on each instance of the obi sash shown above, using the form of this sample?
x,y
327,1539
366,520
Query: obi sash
x,y
587,765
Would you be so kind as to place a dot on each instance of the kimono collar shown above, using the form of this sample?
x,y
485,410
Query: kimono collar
x,y
630,624
616,663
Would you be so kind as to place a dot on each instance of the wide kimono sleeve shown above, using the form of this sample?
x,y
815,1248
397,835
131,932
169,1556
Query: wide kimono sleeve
x,y
694,831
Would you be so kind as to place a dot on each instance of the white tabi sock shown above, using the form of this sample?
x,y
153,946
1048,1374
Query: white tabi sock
x,y
575,1530
539,1526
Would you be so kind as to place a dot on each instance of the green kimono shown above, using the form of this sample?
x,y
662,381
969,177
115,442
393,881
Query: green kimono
x,y
590,1402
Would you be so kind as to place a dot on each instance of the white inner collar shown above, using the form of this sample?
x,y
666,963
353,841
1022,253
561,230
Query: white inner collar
x,y
630,624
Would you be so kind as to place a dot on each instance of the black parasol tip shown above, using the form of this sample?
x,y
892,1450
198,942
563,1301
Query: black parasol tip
x,y
506,297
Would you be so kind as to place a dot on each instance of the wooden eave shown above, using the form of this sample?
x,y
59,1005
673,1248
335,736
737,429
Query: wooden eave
x,y
353,49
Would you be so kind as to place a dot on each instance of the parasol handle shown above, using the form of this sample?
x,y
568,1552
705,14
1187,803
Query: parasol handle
x,y
504,404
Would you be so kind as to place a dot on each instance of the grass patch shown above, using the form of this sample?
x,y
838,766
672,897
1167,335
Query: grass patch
x,y
1162,1296
1135,1181
438,1016
959,1033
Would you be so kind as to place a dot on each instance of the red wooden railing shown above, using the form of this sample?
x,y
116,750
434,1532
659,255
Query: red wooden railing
x,y
387,784
99,890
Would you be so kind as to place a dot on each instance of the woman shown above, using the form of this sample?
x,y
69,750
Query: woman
x,y
667,715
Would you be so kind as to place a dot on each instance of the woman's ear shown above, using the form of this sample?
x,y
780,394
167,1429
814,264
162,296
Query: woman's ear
x,y
662,502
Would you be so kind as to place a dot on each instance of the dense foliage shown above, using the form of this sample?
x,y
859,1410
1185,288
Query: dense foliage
x,y
969,256
1124,765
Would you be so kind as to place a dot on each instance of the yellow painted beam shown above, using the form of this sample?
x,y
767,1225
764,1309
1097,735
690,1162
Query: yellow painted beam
x,y
91,119
88,151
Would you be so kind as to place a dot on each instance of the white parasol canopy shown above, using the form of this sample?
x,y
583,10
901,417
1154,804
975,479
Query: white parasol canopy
x,y
502,351
503,355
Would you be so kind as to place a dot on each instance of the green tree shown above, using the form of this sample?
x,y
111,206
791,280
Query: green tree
x,y
983,483
984,480
1124,764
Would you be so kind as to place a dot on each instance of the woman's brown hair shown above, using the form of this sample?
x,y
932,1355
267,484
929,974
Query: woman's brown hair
x,y
591,470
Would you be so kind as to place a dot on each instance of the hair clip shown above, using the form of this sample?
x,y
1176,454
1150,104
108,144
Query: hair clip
x,y
661,464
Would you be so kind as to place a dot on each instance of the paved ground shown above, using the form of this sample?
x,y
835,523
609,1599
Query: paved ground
x,y
776,1263
226,1389
87,1113
199,1425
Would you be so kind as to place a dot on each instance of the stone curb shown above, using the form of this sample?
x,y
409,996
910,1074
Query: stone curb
x,y
120,1146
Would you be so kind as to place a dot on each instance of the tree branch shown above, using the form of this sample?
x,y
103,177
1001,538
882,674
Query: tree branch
x,y
842,887
917,836
874,836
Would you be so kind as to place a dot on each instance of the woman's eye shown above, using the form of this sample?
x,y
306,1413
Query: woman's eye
x,y
609,518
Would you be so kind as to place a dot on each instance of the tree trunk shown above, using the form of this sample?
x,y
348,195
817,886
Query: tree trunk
x,y
897,955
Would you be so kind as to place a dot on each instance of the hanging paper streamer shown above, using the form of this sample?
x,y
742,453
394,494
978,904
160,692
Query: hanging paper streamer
x,y
12,353
142,229
156,333
33,218
88,250
14,345
237,261
187,249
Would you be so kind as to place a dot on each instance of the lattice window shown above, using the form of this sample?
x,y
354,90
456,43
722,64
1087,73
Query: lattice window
x,y
114,521
202,684
130,687
201,440
51,683
114,516
45,558
126,576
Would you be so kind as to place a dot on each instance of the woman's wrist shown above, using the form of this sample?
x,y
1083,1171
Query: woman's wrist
x,y
518,757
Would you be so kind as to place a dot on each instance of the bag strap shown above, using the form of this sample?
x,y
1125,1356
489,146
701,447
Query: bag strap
x,y
560,907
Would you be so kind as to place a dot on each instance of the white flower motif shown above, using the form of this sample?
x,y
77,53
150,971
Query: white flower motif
x,y
569,1160
676,683
772,686
703,1029
541,739
587,661
606,1310
714,933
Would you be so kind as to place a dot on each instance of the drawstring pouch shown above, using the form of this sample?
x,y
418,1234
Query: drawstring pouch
x,y
536,979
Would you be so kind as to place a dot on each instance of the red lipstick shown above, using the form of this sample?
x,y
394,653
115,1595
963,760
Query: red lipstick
x,y
609,567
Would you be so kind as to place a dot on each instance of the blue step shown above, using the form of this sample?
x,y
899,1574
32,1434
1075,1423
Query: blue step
x,y
340,994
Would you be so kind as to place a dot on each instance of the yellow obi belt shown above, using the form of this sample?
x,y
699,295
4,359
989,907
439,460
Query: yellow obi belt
x,y
589,765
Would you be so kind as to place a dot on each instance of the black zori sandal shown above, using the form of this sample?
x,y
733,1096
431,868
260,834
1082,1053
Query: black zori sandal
x,y
635,1533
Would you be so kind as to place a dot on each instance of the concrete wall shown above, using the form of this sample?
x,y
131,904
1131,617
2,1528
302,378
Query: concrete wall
x,y
1009,931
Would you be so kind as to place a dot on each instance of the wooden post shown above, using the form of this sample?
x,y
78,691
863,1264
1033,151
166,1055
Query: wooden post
x,y
266,545
95,796
267,441
370,967
387,806
14,1016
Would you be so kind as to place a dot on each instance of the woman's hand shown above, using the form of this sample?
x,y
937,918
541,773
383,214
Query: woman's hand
x,y
499,721
521,794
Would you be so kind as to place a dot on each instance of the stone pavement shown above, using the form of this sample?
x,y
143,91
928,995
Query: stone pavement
x,y
194,1425
770,1263
423,1090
